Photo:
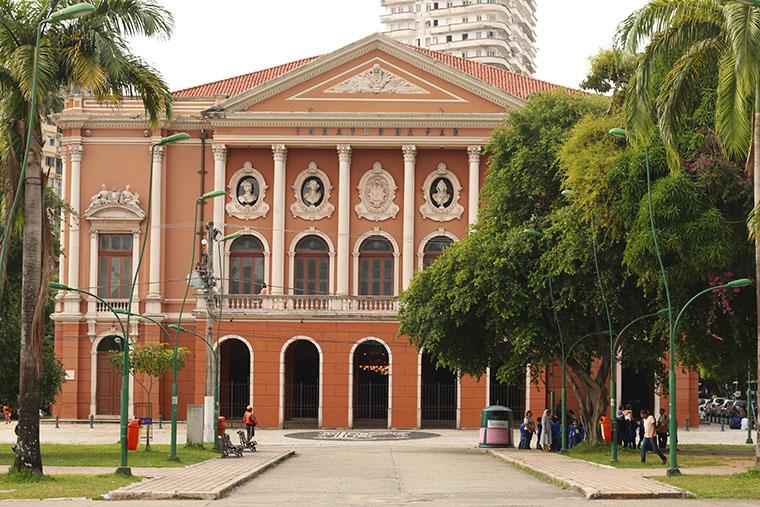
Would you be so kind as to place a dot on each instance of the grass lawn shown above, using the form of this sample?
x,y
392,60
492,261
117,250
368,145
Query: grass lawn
x,y
689,456
61,486
107,455
744,485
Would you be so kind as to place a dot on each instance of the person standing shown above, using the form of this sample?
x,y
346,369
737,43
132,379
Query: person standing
x,y
530,428
662,429
250,422
264,290
650,440
546,431
7,412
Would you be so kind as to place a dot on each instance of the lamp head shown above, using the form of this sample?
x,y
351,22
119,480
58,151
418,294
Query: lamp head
x,y
228,237
181,136
177,327
741,282
122,311
567,193
211,195
533,233
75,11
58,286
619,133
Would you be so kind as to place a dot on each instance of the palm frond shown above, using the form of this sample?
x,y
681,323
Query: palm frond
x,y
733,113
133,18
743,30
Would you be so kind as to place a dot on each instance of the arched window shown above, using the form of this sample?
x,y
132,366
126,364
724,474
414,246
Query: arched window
x,y
434,248
376,267
312,273
246,265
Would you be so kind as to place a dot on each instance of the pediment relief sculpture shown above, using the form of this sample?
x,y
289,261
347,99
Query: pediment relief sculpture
x,y
115,204
312,190
377,192
376,80
247,191
441,191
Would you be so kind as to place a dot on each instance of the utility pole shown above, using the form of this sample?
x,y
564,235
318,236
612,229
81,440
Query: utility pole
x,y
209,281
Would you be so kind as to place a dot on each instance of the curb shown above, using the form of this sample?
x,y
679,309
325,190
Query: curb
x,y
592,493
214,494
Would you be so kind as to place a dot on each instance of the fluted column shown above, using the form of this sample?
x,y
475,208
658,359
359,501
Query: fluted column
x,y
280,153
407,250
220,178
71,300
344,217
64,190
153,299
473,155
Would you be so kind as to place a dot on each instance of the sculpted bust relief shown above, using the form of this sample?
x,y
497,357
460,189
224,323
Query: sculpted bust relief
x,y
247,192
441,192
312,194
441,195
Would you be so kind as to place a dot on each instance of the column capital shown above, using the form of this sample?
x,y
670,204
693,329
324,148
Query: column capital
x,y
76,151
158,154
410,152
344,152
473,153
280,152
220,152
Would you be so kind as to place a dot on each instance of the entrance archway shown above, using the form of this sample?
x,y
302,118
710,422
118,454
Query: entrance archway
x,y
438,403
234,378
301,385
108,386
637,389
371,380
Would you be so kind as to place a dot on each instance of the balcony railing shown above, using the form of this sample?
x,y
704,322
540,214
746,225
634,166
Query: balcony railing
x,y
117,304
319,305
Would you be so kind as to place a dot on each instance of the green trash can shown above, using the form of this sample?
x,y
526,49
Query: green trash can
x,y
496,427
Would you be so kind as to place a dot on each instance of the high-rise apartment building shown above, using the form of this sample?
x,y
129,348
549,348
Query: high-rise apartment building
x,y
51,156
496,32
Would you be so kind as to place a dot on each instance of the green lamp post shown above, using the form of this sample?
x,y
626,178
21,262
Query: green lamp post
x,y
533,233
75,11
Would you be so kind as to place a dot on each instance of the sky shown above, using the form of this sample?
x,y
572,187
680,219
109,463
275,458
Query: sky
x,y
225,38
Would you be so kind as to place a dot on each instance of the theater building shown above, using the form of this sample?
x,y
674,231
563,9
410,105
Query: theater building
x,y
345,174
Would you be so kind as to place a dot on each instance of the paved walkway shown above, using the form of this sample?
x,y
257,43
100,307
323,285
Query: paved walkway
x,y
594,481
203,481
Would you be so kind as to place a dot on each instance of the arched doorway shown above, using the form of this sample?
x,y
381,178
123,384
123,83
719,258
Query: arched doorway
x,y
508,395
301,388
439,395
370,385
637,389
234,378
108,387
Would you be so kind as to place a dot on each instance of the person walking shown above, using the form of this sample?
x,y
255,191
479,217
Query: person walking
x,y
662,429
7,412
546,431
250,422
530,428
650,440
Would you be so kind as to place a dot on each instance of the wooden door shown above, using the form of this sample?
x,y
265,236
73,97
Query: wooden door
x,y
108,390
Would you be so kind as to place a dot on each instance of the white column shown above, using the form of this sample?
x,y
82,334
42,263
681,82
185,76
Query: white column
x,y
473,155
71,300
280,153
135,303
64,190
153,299
344,216
407,250
220,178
93,282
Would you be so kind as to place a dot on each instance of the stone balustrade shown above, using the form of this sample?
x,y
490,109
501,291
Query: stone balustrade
x,y
360,307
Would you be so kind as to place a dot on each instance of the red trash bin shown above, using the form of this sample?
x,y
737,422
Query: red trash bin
x,y
606,426
220,426
133,434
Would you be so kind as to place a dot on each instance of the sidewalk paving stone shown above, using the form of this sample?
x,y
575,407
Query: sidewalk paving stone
x,y
209,480
593,480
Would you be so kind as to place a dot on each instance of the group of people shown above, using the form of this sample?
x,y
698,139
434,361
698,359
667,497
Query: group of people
x,y
630,426
548,431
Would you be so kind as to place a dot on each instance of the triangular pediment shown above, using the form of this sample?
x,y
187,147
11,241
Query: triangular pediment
x,y
375,74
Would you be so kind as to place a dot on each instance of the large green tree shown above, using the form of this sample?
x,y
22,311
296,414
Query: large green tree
x,y
90,55
684,41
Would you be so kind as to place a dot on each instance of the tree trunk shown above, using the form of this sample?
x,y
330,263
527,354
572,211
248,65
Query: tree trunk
x,y
592,395
27,450
756,187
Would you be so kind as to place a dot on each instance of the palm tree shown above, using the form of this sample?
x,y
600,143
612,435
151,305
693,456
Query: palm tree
x,y
688,39
90,55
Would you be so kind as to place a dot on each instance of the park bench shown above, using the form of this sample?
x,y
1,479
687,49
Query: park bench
x,y
229,449
247,444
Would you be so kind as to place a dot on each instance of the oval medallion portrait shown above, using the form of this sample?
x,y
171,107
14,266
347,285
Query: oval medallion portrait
x,y
441,192
312,191
248,191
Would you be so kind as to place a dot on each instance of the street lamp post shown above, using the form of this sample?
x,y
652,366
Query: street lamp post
x,y
750,412
536,234
173,440
75,11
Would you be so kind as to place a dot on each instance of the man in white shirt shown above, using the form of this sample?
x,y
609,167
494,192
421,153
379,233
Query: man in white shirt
x,y
650,438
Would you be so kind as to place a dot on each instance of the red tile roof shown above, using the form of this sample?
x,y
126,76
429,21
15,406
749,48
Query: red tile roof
x,y
515,84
